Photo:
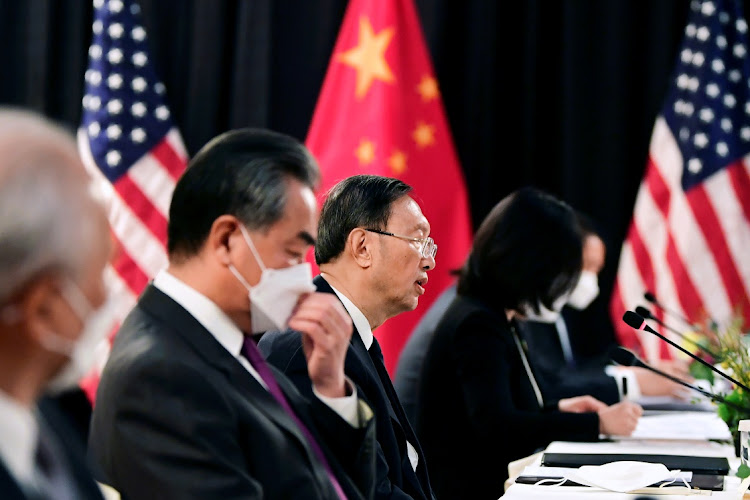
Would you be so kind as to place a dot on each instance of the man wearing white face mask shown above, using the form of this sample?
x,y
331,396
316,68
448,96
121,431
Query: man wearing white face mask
x,y
49,293
187,407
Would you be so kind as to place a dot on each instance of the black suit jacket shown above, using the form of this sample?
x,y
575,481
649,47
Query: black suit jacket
x,y
395,476
555,377
71,452
411,359
177,416
477,410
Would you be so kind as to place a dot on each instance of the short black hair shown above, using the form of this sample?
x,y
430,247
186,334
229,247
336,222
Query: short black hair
x,y
526,251
242,173
357,201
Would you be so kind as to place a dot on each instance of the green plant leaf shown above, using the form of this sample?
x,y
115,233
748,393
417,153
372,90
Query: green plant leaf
x,y
701,371
723,412
743,471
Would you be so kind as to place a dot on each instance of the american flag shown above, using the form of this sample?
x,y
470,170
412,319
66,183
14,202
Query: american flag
x,y
689,239
130,146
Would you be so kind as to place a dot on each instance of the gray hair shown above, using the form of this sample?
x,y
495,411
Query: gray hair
x,y
47,211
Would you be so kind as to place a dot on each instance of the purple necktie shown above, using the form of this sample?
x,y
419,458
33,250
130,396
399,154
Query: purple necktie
x,y
251,352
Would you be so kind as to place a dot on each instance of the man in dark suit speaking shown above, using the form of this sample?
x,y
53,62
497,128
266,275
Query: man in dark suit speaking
x,y
374,252
187,406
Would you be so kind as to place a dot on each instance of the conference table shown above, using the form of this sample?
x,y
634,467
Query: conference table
x,y
681,434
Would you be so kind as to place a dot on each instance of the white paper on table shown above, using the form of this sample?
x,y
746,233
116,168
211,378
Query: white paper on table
x,y
530,492
683,425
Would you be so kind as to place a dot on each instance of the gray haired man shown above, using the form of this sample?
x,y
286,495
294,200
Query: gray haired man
x,y
54,245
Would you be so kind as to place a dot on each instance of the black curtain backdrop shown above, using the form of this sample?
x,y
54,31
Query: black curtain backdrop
x,y
558,94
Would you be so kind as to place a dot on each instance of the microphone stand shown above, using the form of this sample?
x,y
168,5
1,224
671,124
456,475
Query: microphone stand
x,y
631,315
711,396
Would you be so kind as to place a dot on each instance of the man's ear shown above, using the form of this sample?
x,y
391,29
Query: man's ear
x,y
37,304
223,239
359,246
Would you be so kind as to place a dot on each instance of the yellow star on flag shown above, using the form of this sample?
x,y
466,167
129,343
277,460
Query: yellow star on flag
x,y
365,152
424,135
368,57
428,88
397,162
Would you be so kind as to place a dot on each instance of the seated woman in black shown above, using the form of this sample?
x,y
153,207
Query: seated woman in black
x,y
479,406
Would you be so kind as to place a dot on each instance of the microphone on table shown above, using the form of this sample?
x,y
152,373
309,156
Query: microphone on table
x,y
625,357
652,298
636,321
642,311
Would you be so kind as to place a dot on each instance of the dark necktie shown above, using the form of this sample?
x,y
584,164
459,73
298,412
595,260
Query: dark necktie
x,y
253,354
376,354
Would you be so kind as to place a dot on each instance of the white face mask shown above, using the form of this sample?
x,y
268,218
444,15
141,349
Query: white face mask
x,y
273,299
621,476
545,315
585,291
91,344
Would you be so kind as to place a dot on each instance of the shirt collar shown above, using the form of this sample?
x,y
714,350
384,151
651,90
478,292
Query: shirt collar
x,y
204,310
359,320
19,432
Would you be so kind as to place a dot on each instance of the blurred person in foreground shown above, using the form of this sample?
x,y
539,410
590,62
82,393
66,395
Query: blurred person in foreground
x,y
374,253
187,407
54,246
526,257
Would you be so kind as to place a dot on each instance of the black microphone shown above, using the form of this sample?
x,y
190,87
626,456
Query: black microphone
x,y
635,321
642,311
625,357
652,298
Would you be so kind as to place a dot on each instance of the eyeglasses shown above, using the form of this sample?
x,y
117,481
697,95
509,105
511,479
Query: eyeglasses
x,y
428,248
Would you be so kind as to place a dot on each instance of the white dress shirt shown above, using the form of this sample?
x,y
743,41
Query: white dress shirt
x,y
562,333
627,383
365,333
19,433
226,332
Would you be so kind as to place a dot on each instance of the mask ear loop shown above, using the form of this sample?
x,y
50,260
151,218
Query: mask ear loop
x,y
675,479
77,300
555,482
237,275
250,244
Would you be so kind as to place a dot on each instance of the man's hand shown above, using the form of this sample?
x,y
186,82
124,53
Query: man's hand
x,y
326,330
580,404
619,419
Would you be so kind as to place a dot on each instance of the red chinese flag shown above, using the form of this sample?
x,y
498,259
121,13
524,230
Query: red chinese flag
x,y
380,112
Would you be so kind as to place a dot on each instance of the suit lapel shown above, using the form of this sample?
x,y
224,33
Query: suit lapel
x,y
358,360
181,323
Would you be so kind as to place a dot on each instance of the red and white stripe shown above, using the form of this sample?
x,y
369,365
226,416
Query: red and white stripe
x,y
138,208
685,247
